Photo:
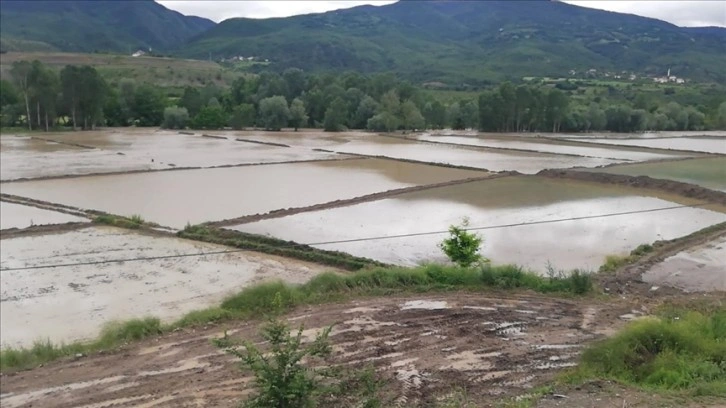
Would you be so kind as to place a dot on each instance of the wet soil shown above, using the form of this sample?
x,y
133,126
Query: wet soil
x,y
669,186
17,216
85,297
496,345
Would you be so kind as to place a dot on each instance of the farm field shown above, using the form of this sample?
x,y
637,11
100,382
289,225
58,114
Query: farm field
x,y
706,172
192,219
505,202
694,144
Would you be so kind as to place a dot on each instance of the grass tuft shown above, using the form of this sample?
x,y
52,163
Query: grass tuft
x,y
686,352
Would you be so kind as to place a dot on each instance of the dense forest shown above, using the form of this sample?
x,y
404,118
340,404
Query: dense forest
x,y
40,98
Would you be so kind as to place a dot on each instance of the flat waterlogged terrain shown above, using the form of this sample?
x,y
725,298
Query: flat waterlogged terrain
x,y
504,202
707,172
173,198
73,302
22,216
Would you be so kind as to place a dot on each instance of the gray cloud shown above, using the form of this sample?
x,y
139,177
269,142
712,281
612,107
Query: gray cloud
x,y
683,13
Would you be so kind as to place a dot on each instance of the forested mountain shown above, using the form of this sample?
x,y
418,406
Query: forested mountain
x,y
471,40
454,42
94,25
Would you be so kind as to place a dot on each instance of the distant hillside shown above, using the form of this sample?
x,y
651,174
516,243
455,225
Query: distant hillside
x,y
471,40
94,25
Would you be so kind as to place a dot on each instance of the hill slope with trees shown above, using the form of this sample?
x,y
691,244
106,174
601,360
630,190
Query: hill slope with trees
x,y
100,25
470,41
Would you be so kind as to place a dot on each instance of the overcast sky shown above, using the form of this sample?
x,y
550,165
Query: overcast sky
x,y
683,13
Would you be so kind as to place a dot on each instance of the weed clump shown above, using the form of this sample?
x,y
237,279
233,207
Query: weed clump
x,y
685,352
133,222
615,262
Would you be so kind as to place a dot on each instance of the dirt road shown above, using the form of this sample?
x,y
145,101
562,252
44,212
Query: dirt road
x,y
423,345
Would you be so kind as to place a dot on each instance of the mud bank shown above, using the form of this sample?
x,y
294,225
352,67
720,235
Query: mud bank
x,y
668,186
421,346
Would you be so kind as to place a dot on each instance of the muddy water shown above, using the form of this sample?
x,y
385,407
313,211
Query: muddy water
x,y
694,144
23,216
566,245
72,303
490,159
524,144
709,172
702,268
125,150
176,197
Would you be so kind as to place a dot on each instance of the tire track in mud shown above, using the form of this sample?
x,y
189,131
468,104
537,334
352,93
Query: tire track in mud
x,y
421,346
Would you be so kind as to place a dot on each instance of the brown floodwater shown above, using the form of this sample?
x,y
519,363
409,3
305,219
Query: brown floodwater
x,y
707,172
484,158
693,144
535,146
74,302
22,216
499,202
173,198
135,149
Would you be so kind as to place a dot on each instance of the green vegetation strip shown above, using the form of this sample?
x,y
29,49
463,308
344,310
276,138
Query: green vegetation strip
x,y
275,246
258,300
680,351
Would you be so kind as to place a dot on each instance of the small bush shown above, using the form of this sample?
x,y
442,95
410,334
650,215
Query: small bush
x,y
462,247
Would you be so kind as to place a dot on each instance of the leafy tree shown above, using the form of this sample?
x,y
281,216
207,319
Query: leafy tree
x,y
192,100
274,113
335,116
435,115
411,116
243,116
383,122
294,82
595,118
366,109
175,117
84,95
298,115
721,116
210,117
20,73
148,106
462,247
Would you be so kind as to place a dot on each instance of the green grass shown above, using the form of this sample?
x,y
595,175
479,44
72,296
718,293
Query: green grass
x,y
683,351
615,262
274,246
277,297
133,222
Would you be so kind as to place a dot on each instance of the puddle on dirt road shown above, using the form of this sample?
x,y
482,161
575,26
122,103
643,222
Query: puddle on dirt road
x,y
708,172
698,269
498,202
23,216
375,145
548,147
124,150
177,197
693,144
73,302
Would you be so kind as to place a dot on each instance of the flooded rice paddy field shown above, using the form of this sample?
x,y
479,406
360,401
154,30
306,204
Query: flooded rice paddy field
x,y
500,202
706,172
548,146
701,268
175,198
694,144
78,153
73,302
469,156
22,216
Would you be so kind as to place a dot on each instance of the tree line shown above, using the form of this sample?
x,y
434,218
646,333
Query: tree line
x,y
38,97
